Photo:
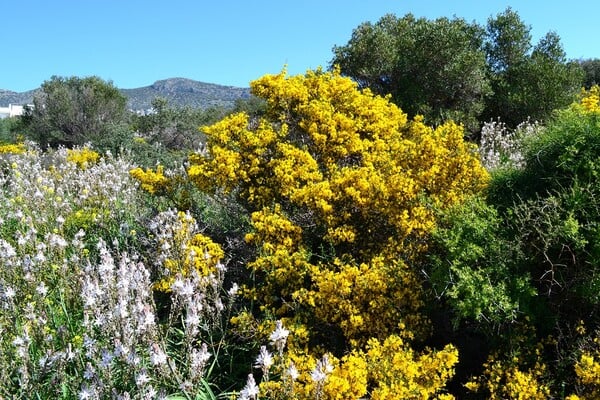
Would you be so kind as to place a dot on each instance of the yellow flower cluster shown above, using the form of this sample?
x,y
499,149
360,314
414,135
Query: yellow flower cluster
x,y
82,157
274,230
18,148
188,251
399,373
506,380
590,99
84,219
348,380
387,370
366,300
154,182
342,188
587,369
330,147
342,379
283,260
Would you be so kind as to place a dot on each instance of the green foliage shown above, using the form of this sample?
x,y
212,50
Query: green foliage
x,y
557,208
451,69
175,127
253,106
75,111
591,68
434,68
475,267
564,154
558,232
508,41
168,133
528,82
528,254
10,129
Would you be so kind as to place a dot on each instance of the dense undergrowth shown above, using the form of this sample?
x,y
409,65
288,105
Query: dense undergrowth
x,y
326,248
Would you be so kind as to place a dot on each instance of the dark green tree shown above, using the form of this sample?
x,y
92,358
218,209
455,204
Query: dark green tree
x,y
434,68
74,111
253,106
508,41
169,133
528,82
448,68
591,69
10,129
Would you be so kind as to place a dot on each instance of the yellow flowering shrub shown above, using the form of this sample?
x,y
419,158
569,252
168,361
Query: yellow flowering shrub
x,y
152,181
84,219
82,157
342,154
520,374
505,381
387,370
187,251
372,299
518,369
341,187
587,369
590,99
342,379
8,148
400,373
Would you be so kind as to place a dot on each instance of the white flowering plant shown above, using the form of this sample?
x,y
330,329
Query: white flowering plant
x,y
79,314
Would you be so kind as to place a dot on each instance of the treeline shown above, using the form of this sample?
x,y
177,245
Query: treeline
x,y
452,69
74,111
442,69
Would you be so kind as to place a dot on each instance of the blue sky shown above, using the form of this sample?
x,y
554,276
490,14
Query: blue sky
x,y
136,42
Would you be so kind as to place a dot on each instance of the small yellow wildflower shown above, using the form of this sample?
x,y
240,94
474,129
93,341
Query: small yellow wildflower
x,y
82,157
153,182
18,148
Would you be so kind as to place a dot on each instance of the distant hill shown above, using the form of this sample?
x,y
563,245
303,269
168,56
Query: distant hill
x,y
178,91
185,92
8,97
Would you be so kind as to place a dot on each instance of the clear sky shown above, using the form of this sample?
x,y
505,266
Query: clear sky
x,y
133,43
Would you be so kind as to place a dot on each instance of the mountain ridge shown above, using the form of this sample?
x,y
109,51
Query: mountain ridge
x,y
179,92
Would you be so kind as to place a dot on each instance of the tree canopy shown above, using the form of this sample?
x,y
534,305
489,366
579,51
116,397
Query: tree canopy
x,y
449,68
591,68
528,82
434,68
73,111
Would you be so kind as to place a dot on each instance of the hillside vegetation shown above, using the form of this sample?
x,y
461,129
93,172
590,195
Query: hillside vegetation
x,y
316,241
179,92
185,93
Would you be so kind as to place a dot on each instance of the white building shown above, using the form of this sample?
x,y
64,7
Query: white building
x,y
11,111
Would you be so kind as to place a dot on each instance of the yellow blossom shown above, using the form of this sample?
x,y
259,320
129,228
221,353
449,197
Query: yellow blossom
x,y
18,148
191,252
153,182
590,99
82,157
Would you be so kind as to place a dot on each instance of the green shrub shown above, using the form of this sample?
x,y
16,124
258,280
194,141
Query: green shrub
x,y
475,267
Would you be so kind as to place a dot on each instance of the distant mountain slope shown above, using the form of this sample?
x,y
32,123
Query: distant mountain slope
x,y
8,97
185,92
178,91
